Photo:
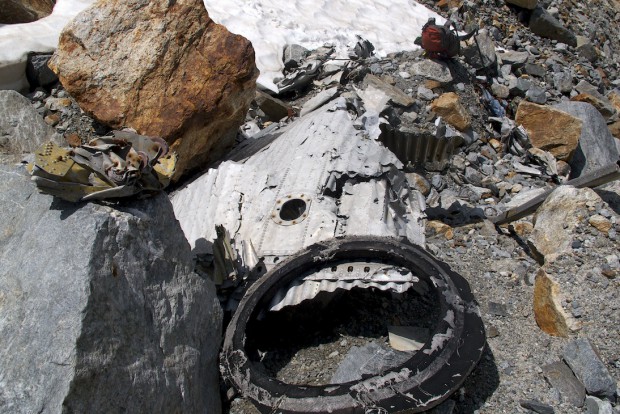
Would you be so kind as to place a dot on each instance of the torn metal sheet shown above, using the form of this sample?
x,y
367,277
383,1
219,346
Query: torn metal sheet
x,y
421,148
344,276
122,165
326,177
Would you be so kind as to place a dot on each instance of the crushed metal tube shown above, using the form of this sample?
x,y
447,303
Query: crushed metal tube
x,y
122,165
422,381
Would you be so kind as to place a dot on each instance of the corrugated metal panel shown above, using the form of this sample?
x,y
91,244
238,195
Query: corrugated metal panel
x,y
345,276
353,182
420,148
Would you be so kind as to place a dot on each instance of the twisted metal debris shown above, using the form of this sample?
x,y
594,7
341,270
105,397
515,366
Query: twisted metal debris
x,y
122,165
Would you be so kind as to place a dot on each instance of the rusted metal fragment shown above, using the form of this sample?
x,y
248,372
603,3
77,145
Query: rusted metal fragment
x,y
423,381
121,165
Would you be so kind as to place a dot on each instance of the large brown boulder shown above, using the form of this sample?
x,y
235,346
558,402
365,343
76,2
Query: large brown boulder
x,y
25,11
550,129
163,68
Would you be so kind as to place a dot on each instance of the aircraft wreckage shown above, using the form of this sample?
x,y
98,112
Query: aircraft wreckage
x,y
322,208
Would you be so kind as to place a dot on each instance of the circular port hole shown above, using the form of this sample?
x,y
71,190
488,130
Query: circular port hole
x,y
292,209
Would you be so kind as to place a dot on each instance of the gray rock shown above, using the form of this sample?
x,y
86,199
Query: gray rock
x,y
22,127
101,310
537,406
293,55
583,359
597,147
500,91
513,58
596,406
604,105
536,95
545,25
481,53
432,69
526,4
563,82
425,94
37,72
519,86
586,49
535,70
562,379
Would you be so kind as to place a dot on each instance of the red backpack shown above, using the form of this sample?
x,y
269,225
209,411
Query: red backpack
x,y
442,41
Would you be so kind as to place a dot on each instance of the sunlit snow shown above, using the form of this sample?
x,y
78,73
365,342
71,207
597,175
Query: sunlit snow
x,y
391,25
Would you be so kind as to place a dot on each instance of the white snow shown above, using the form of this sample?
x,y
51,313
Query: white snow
x,y
391,26
16,40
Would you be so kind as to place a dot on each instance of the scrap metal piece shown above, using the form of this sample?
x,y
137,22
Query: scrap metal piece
x,y
424,380
420,148
350,185
122,165
345,276
594,179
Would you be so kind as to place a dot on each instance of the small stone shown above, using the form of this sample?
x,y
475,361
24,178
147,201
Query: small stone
x,y
449,107
597,406
492,332
548,311
52,119
601,223
419,182
562,379
585,362
498,309
404,75
537,406
441,228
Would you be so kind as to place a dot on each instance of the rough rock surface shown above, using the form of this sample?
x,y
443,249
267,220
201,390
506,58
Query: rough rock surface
x,y
101,311
585,362
25,11
548,311
449,107
163,68
596,147
544,24
550,129
22,129
557,217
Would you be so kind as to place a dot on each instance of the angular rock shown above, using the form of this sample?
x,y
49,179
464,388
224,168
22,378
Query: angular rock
x,y
563,82
25,11
588,93
22,129
550,129
582,357
449,107
597,406
614,130
596,147
562,379
519,86
500,91
513,58
602,224
37,71
293,55
101,309
163,68
396,95
545,25
274,108
526,4
548,312
432,69
586,49
535,70
556,219
537,95
480,52
537,406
